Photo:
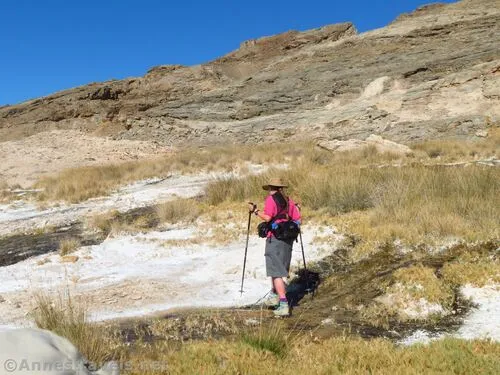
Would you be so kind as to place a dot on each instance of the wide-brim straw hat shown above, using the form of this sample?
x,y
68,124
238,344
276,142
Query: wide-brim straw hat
x,y
274,182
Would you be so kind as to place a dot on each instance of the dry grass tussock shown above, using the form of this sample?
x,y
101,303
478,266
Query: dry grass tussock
x,y
414,293
185,210
113,222
74,185
70,320
172,212
457,150
103,222
6,194
214,225
414,203
68,246
422,282
429,289
472,269
79,184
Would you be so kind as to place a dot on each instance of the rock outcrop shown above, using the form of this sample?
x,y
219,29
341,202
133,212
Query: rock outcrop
x,y
433,73
377,142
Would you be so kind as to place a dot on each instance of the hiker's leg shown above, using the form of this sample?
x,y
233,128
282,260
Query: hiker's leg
x,y
276,254
279,286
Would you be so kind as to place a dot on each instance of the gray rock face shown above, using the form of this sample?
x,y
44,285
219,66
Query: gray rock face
x,y
433,73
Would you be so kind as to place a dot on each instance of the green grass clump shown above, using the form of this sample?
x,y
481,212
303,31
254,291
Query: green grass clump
x,y
422,282
413,293
339,355
273,339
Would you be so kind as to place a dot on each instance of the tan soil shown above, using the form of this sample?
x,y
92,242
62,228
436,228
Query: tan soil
x,y
25,160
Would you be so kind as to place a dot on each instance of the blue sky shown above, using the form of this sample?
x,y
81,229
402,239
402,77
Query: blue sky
x,y
50,45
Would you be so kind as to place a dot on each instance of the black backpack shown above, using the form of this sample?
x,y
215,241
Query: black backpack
x,y
286,230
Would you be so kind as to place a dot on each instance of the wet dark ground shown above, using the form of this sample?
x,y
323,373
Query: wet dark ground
x,y
331,291
18,247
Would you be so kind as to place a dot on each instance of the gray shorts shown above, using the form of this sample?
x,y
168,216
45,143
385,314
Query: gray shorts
x,y
278,257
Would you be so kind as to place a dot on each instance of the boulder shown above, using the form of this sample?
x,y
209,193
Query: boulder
x,y
36,351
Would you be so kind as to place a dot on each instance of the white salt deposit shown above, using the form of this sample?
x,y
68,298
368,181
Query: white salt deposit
x,y
482,322
23,216
137,275
420,336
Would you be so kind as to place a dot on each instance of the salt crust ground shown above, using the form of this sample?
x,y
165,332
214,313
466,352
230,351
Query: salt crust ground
x,y
21,216
133,275
137,275
482,322
407,304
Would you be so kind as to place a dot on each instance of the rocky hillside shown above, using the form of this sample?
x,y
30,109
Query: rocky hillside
x,y
432,73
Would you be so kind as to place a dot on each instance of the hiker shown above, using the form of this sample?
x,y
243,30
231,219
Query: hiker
x,y
281,218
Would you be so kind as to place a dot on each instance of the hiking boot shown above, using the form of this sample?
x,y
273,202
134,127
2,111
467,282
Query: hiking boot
x,y
272,300
282,310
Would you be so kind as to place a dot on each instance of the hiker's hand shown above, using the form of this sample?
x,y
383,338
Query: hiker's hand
x,y
252,207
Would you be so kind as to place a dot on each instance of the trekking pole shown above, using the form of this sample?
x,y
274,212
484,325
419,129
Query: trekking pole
x,y
306,275
246,248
